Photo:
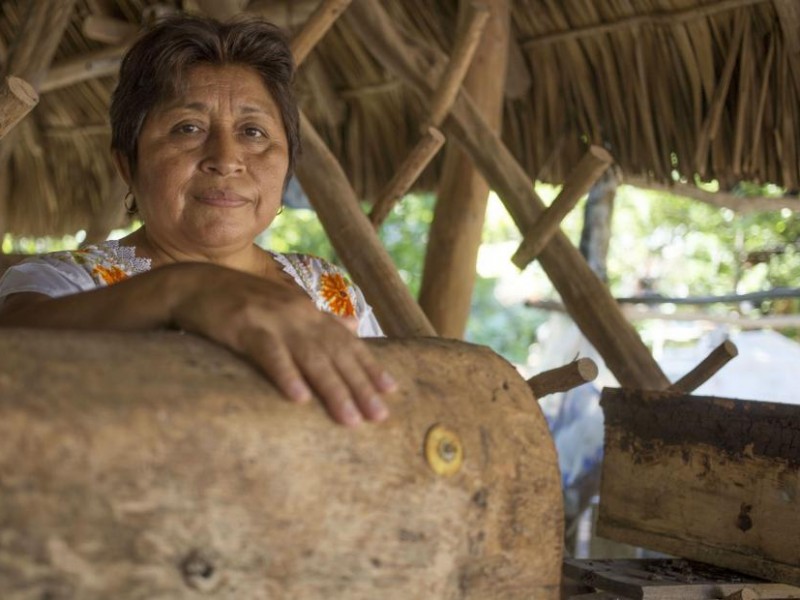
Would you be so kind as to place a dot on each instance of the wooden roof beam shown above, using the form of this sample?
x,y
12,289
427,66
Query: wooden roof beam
x,y
99,63
588,300
318,24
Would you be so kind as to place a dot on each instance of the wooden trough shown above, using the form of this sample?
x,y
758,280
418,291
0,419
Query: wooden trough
x,y
160,466
711,479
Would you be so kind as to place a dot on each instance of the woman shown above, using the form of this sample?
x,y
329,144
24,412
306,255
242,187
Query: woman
x,y
205,134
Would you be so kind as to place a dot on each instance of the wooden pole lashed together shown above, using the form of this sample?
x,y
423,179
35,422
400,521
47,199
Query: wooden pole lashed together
x,y
589,302
593,164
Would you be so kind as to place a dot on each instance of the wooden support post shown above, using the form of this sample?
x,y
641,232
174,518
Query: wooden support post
x,y
17,99
354,238
708,479
460,60
719,357
563,378
455,234
593,164
589,302
406,175
316,27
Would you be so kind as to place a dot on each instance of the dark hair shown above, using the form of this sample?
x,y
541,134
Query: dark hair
x,y
153,70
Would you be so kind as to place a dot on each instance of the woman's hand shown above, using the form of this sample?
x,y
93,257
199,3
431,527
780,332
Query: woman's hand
x,y
276,326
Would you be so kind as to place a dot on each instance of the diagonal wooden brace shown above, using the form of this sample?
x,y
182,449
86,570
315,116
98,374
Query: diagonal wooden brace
x,y
719,357
593,164
406,175
441,103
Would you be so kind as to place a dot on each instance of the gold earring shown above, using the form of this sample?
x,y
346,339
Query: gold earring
x,y
280,209
130,206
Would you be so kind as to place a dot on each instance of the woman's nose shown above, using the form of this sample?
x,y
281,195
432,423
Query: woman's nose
x,y
222,154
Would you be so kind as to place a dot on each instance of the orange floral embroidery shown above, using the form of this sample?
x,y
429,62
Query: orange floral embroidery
x,y
336,292
110,274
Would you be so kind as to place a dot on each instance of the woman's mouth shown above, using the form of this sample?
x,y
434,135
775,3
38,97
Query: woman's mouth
x,y
222,198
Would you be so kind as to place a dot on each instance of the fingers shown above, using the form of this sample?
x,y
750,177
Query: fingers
x,y
335,365
277,362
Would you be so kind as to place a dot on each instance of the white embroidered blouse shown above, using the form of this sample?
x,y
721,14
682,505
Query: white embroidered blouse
x,y
69,272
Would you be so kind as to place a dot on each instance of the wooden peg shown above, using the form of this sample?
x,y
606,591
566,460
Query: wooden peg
x,y
407,174
718,358
460,59
593,164
318,24
563,378
17,99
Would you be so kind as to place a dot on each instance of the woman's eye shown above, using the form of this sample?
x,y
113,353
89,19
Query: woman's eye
x,y
254,132
187,128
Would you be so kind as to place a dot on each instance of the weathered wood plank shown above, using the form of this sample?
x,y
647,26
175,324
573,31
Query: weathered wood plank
x,y
711,479
159,465
671,579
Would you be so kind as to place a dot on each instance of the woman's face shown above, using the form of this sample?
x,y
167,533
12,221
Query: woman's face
x,y
211,162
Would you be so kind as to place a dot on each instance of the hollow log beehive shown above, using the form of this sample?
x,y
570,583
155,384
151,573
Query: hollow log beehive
x,y
160,466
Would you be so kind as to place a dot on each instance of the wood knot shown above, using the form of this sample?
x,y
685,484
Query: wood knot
x,y
743,521
200,573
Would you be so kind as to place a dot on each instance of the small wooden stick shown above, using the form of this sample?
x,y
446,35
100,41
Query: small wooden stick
x,y
17,99
460,59
316,27
593,164
407,174
718,358
563,378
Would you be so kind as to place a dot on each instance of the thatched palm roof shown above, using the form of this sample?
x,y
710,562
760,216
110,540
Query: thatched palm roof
x,y
672,88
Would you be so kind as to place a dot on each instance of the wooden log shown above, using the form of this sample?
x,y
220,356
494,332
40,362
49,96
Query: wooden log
x,y
354,238
563,378
160,465
416,161
589,302
108,30
318,24
460,60
710,479
17,99
593,164
708,367
99,63
454,238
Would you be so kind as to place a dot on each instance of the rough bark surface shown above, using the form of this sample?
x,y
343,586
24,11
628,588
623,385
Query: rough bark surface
x,y
161,466
710,479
